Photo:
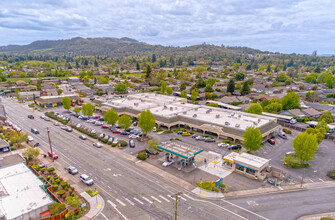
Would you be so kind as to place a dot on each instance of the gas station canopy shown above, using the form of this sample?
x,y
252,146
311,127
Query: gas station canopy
x,y
180,149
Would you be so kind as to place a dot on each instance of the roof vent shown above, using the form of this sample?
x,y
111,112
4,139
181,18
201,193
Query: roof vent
x,y
217,116
195,109
259,120
227,123
237,125
184,113
165,107
171,108
208,111
194,116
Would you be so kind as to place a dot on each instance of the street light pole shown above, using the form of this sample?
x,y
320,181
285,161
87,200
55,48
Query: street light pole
x,y
302,179
176,208
52,155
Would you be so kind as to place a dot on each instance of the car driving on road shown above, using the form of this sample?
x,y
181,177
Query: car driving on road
x,y
97,144
86,179
30,116
35,131
72,170
53,155
83,137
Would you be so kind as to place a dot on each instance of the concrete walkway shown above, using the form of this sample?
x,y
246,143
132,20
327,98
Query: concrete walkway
x,y
97,204
318,216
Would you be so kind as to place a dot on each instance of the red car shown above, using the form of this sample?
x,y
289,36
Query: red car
x,y
104,126
272,141
72,104
96,116
116,131
79,104
55,156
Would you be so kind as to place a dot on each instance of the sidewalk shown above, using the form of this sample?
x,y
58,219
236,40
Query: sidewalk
x,y
97,204
318,216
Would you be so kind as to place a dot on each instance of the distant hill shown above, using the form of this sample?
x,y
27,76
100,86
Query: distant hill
x,y
120,47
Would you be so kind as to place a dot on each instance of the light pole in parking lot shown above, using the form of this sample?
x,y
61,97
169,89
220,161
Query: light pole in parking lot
x,y
52,155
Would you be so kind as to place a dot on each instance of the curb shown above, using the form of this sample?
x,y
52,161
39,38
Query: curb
x,y
101,209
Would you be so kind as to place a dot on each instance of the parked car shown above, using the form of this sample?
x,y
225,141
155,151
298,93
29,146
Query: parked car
x,y
65,127
97,144
30,138
42,116
37,144
154,129
86,179
271,141
30,116
185,133
135,123
194,135
124,133
129,129
115,141
311,126
209,140
96,116
101,119
282,135
223,145
46,119
68,129
200,138
35,131
83,137
84,118
116,131
79,126
110,139
104,126
72,104
98,123
102,135
133,136
91,121
53,155
93,131
167,163
131,143
180,132
72,170
234,147
56,124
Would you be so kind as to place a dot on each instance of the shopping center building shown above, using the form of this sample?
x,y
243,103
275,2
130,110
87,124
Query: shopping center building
x,y
172,111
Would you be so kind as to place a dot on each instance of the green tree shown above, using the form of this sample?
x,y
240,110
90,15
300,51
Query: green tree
x,y
110,117
73,201
209,88
87,109
208,95
322,124
194,95
305,145
77,110
183,94
318,133
169,90
59,91
330,81
231,86
66,103
327,116
148,71
124,121
210,82
273,107
182,86
239,76
121,88
31,153
255,109
252,139
245,89
291,101
152,145
137,66
146,121
163,87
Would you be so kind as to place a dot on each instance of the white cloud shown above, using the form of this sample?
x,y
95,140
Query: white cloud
x,y
287,26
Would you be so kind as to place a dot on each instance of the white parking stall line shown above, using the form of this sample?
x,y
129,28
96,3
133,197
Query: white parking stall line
x,y
120,202
110,202
130,202
311,180
171,197
164,198
321,180
147,200
139,201
103,215
156,199
183,198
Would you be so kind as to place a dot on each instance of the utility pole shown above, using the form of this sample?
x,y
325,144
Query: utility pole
x,y
176,213
52,154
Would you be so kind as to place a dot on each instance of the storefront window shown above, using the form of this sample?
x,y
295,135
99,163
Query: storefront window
x,y
250,171
238,167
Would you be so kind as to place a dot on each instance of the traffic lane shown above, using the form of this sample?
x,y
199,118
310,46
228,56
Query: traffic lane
x,y
290,205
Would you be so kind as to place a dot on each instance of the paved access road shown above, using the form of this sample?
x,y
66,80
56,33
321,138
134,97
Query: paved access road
x,y
131,192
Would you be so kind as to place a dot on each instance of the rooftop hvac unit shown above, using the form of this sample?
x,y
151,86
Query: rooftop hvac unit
x,y
194,116
165,107
208,111
259,120
237,125
184,113
175,108
171,108
239,116
217,116
255,123
227,123
195,109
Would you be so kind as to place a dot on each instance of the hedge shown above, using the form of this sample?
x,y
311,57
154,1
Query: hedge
x,y
53,116
123,143
142,155
287,131
331,174
51,169
36,167
55,186
61,192
56,208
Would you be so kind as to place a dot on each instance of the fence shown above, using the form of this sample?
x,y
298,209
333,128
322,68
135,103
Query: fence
x,y
60,216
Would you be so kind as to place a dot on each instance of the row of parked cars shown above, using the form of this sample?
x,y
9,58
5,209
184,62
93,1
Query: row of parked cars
x,y
196,137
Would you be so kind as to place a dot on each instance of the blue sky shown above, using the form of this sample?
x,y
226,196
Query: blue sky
x,y
286,26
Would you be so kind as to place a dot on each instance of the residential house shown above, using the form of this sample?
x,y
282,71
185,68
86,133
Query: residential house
x,y
34,80
311,112
293,112
73,80
320,107
20,83
229,99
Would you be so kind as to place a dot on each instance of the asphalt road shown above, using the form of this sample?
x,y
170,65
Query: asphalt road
x,y
138,194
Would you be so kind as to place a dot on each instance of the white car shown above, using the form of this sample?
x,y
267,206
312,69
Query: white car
x,y
63,127
78,126
133,136
167,163
110,139
56,124
86,179
115,141
97,144
30,138
102,135
223,145
94,131
98,123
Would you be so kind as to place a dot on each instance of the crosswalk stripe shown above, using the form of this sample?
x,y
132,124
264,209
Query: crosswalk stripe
x,y
147,200
110,202
120,202
164,198
156,199
183,198
138,201
131,203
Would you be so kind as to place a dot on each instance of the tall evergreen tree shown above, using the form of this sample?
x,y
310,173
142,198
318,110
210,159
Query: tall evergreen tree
x,y
245,89
153,58
231,86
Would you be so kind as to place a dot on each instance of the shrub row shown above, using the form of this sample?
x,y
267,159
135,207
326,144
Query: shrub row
x,y
287,131
53,116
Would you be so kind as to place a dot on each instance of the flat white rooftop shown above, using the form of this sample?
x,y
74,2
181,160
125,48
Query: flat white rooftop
x,y
248,159
22,191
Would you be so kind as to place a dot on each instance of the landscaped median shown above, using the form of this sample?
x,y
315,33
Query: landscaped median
x,y
211,186
55,117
